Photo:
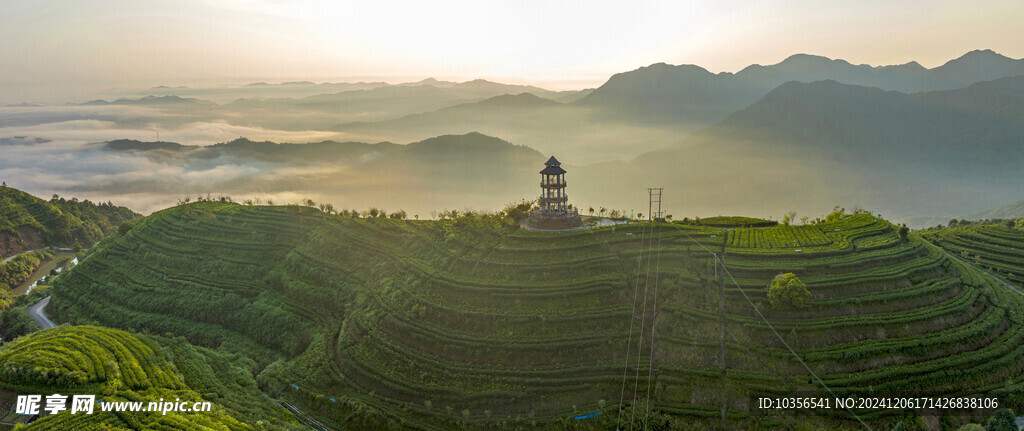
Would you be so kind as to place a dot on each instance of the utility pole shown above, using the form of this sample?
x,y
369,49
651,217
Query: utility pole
x,y
654,204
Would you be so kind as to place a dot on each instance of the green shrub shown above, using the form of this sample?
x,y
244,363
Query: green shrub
x,y
1002,420
786,290
15,322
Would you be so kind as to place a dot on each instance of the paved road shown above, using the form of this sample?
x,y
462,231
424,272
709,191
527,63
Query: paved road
x,y
18,254
39,315
29,251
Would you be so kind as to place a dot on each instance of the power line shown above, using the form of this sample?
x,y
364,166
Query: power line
x,y
632,316
654,321
643,320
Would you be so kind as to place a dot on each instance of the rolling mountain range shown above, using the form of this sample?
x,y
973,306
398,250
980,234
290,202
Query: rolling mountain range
x,y
1009,211
667,93
444,172
655,106
806,133
940,152
147,100
804,147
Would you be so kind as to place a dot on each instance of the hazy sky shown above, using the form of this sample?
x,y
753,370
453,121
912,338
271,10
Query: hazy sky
x,y
55,47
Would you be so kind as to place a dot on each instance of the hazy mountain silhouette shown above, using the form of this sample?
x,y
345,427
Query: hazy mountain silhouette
x,y
262,90
944,152
667,93
444,172
526,119
1008,211
480,89
1014,210
147,100
975,128
447,151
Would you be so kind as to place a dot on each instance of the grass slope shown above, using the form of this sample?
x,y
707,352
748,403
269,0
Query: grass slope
x,y
449,324
119,366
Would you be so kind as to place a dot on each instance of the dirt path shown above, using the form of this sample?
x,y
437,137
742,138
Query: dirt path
x,y
39,315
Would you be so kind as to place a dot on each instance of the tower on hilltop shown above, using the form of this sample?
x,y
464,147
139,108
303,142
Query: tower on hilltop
x,y
554,212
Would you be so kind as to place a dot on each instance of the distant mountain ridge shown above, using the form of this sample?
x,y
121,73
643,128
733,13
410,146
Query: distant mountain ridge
x,y
446,150
147,100
472,90
442,172
1009,211
834,143
662,92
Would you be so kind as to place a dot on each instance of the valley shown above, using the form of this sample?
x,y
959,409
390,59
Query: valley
x,y
297,251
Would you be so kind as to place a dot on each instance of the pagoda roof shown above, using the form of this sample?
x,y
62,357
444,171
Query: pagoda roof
x,y
552,162
553,170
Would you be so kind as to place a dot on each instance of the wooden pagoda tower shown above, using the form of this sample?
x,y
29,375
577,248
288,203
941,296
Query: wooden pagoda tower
x,y
555,211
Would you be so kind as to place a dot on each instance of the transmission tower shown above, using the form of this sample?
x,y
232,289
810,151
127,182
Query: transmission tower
x,y
654,205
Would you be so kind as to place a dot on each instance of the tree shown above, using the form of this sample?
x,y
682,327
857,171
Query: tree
x,y
836,214
124,228
791,216
77,247
786,290
1002,420
953,222
785,219
903,233
591,210
521,210
1010,224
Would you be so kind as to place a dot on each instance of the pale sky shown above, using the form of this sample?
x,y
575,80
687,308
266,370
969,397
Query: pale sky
x,y
52,48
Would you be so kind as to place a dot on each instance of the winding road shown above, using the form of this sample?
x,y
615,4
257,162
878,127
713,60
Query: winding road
x,y
39,314
8,259
16,255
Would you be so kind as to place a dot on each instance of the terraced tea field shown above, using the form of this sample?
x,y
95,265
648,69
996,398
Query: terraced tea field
x,y
117,366
377,324
992,247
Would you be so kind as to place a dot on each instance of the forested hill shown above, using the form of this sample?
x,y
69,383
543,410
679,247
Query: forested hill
x,y
470,323
28,222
